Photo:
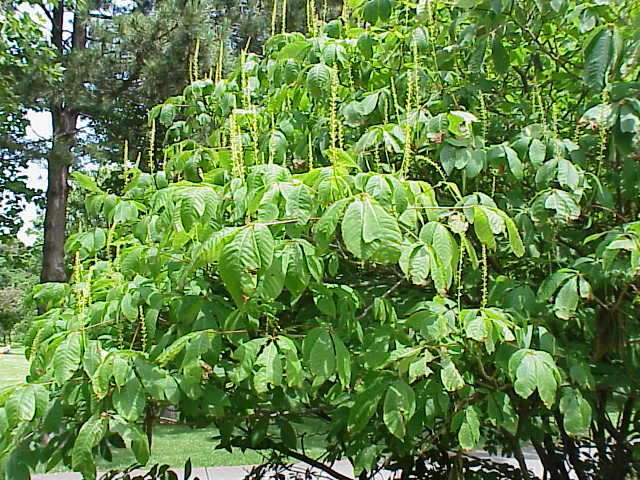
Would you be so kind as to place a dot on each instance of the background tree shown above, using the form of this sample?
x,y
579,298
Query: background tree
x,y
24,56
91,58
18,275
118,62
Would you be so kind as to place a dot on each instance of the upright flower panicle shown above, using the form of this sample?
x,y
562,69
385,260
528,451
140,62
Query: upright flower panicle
x,y
152,146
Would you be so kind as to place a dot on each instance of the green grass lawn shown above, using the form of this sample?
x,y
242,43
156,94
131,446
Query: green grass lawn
x,y
13,367
172,444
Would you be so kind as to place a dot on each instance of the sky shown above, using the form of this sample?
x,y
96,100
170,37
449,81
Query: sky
x,y
36,174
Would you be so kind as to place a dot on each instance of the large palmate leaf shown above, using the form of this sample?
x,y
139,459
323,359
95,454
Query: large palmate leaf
x,y
369,232
67,357
598,55
249,252
534,370
319,80
299,203
399,407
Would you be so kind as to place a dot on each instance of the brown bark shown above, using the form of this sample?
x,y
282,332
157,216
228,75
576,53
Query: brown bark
x,y
55,220
65,122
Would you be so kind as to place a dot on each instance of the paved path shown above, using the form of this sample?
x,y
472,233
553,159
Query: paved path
x,y
239,473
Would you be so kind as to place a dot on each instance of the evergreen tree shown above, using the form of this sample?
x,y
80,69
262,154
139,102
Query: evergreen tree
x,y
24,58
119,61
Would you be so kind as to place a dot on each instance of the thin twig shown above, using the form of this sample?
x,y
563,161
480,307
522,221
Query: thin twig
x,y
384,295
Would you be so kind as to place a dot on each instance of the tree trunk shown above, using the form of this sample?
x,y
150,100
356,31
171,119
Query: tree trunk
x,y
65,122
55,220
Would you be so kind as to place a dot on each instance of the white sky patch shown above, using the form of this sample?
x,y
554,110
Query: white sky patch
x,y
39,125
39,128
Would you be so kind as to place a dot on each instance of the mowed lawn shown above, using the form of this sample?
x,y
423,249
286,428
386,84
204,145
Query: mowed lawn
x,y
13,367
172,444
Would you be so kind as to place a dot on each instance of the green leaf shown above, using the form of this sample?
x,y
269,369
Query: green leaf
x,y
322,359
441,274
399,407
128,307
598,55
482,227
121,370
299,203
343,361
378,224
319,80
499,55
576,412
271,282
450,376
129,400
563,203
515,165
531,370
515,241
67,357
547,382
125,211
352,223
298,275
419,368
526,376
551,284
16,468
443,244
4,422
537,152
365,406
102,377
325,227
295,374
86,182
567,299
294,50
167,114
469,433
288,435
475,326
88,437
270,359
91,432
415,263
246,354
21,405
278,146
368,229
375,10
567,174
134,438
629,121
365,44
249,252
172,351
500,412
